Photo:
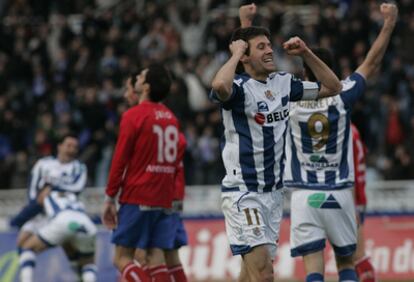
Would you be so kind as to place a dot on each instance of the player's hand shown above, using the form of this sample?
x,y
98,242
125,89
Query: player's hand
x,y
246,14
109,215
238,47
177,205
43,194
389,12
295,46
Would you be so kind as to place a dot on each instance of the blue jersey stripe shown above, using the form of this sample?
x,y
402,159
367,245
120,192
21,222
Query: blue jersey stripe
x,y
296,89
343,167
330,177
282,159
54,205
268,158
247,162
333,117
311,176
306,139
76,178
295,165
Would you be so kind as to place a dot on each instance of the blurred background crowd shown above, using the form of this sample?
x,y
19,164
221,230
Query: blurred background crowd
x,y
63,65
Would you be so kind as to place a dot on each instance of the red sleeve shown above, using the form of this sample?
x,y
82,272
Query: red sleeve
x,y
123,150
179,189
359,167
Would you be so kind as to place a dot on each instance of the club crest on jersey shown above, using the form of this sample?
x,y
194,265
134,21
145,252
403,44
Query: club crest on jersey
x,y
269,95
256,231
262,107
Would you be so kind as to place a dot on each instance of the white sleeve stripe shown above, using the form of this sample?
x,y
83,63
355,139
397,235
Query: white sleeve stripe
x,y
310,90
308,85
34,182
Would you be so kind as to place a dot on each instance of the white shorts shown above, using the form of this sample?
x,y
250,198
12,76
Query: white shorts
x,y
33,225
319,215
70,226
252,219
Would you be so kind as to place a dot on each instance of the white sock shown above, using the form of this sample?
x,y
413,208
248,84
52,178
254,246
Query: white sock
x,y
89,273
27,261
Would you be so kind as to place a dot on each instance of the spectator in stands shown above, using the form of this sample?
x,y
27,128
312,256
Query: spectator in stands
x,y
46,51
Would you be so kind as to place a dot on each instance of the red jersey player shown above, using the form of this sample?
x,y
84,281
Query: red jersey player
x,y
180,237
143,168
172,258
363,266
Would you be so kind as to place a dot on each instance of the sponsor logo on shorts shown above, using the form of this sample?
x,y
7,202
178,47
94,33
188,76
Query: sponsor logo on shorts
x,y
320,201
76,227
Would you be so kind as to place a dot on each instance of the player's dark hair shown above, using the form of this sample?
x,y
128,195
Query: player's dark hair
x,y
159,79
325,55
62,138
246,34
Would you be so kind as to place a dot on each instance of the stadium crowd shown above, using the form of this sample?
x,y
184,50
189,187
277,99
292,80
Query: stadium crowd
x,y
62,66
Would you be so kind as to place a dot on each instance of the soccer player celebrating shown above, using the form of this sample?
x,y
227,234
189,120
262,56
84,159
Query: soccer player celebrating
x,y
320,166
255,110
143,169
61,173
67,224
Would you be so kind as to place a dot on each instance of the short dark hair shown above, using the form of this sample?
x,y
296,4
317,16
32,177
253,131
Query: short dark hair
x,y
246,34
159,79
62,138
325,55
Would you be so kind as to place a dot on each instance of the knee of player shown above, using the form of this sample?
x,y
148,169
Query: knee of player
x,y
265,276
22,238
120,262
264,273
155,257
343,262
140,256
172,258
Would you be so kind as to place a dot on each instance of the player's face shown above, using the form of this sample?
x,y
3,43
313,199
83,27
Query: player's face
x,y
139,85
130,96
68,149
261,55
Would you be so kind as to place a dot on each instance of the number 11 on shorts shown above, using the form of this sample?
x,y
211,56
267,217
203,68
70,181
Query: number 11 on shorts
x,y
249,217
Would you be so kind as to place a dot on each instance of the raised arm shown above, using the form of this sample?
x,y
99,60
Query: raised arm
x,y
330,83
247,14
376,53
223,80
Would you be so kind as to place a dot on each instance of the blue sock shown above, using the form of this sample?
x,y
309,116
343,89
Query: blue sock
x,y
314,277
348,275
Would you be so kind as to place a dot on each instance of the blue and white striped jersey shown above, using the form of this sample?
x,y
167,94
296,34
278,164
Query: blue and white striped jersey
x,y
69,176
319,142
255,121
58,201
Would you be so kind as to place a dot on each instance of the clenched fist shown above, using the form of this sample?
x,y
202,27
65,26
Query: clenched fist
x,y
389,12
295,46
